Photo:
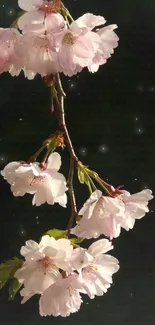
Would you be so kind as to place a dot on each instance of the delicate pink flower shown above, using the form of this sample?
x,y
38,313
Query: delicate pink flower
x,y
76,48
39,13
81,46
59,251
8,57
35,50
36,53
46,185
62,297
42,263
136,206
106,215
95,267
100,215
37,276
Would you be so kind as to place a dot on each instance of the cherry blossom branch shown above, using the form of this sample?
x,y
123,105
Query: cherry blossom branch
x,y
73,157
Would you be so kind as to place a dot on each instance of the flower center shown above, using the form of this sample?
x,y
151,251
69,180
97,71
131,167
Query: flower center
x,y
35,180
68,39
90,269
50,6
46,262
42,43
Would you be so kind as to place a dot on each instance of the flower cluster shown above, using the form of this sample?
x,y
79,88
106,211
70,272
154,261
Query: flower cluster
x,y
48,44
107,215
60,274
100,215
43,181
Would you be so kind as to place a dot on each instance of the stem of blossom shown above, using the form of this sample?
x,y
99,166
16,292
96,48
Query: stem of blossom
x,y
14,24
89,188
99,181
34,157
49,151
69,15
73,157
67,21
91,182
103,186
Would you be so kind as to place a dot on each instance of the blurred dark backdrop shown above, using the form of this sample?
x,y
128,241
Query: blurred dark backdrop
x,y
111,119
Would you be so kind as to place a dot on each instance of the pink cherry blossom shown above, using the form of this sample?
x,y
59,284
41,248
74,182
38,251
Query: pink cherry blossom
x,y
95,267
39,13
100,215
62,297
58,251
76,48
46,185
35,50
8,39
106,215
36,53
42,263
136,206
81,46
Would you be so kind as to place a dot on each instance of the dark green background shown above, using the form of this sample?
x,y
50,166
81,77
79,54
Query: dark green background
x,y
104,109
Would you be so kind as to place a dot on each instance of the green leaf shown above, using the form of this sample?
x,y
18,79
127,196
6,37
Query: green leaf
x,y
56,233
14,288
76,240
8,269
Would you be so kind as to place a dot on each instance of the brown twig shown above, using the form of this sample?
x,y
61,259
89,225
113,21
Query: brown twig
x,y
73,157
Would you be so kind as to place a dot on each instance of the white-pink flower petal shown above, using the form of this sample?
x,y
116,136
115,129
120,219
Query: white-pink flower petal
x,y
90,21
29,5
30,18
80,258
55,23
62,298
100,247
54,162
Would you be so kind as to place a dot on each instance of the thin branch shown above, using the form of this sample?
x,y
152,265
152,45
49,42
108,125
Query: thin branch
x,y
62,122
72,195
73,157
